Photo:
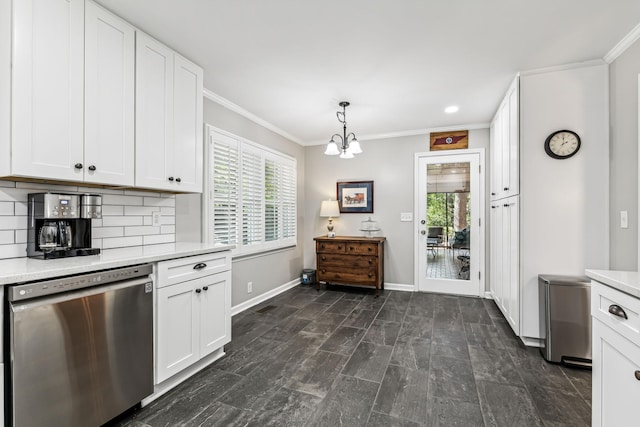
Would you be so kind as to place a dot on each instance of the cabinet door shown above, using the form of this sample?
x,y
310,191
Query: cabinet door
x,y
496,155
154,111
511,147
496,253
187,126
109,98
616,389
5,87
178,323
511,277
47,81
215,312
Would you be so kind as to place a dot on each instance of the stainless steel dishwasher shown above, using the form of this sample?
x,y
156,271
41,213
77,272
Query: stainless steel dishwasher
x,y
80,347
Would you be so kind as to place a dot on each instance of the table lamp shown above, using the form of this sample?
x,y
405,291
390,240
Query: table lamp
x,y
330,208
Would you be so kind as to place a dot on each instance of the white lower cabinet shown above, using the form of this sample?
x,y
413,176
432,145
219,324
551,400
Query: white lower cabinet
x,y
616,356
193,321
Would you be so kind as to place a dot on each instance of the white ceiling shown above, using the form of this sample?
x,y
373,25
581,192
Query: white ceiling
x,y
399,63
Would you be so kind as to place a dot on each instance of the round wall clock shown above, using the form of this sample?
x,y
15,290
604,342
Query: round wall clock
x,y
562,144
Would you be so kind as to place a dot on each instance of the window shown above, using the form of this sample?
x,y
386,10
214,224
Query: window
x,y
252,195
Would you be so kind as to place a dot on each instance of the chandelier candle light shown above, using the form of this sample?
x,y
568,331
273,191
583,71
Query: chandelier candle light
x,y
349,144
331,209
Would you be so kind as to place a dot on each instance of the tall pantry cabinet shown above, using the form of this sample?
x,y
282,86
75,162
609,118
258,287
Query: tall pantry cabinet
x,y
505,208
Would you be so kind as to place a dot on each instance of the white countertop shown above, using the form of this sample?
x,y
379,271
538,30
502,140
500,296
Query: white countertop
x,y
625,281
26,269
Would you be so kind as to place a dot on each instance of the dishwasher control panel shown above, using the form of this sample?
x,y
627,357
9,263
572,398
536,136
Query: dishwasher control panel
x,y
64,284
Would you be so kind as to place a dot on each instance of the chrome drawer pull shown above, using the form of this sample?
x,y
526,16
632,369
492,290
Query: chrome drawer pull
x,y
199,266
616,310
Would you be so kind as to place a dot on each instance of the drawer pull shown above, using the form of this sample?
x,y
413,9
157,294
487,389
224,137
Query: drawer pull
x,y
370,274
205,288
616,310
324,270
637,374
370,261
199,266
339,248
370,249
324,258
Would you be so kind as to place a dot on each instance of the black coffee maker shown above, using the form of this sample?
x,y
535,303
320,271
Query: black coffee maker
x,y
60,224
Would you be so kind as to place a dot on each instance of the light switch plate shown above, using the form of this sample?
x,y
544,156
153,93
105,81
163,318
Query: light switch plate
x,y
406,216
624,219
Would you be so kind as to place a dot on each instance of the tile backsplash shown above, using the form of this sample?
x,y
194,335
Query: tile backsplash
x,y
126,217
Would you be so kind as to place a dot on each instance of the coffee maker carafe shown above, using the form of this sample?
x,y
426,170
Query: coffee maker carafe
x,y
60,226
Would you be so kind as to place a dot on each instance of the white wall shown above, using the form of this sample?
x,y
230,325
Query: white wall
x,y
564,203
623,77
390,164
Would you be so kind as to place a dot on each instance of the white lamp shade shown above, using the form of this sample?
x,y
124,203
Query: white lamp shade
x,y
354,147
332,149
329,208
347,155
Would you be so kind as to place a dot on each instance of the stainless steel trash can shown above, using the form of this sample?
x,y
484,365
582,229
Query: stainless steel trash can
x,y
565,316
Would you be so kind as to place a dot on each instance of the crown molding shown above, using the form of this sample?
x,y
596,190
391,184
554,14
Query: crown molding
x,y
212,96
563,67
623,45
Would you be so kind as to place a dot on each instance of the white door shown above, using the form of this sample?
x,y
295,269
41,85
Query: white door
x,y
178,345
109,98
187,126
449,201
48,89
154,113
215,312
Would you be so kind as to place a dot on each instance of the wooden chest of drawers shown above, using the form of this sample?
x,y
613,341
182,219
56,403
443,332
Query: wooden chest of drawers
x,y
347,260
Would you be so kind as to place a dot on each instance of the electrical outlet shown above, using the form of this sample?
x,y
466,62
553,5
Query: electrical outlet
x,y
155,218
406,216
249,287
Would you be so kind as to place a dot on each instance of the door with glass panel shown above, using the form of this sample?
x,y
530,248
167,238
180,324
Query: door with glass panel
x,y
450,245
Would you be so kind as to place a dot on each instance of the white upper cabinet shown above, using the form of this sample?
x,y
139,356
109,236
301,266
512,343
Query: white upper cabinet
x,y
504,146
47,89
109,98
168,119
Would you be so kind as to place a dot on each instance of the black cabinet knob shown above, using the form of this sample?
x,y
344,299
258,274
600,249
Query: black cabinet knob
x,y
178,180
493,194
171,178
78,166
198,290
506,188
92,168
205,288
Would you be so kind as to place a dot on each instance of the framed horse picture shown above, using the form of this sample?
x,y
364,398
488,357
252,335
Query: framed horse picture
x,y
355,196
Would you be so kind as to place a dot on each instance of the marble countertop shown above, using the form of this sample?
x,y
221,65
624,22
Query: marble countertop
x,y
26,269
625,281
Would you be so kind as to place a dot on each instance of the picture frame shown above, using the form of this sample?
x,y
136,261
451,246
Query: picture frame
x,y
355,196
452,140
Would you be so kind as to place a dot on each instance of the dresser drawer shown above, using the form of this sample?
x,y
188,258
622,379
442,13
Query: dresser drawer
x,y
606,301
189,268
346,261
359,277
332,247
359,248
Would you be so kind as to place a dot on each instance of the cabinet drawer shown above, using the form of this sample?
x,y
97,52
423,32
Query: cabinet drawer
x,y
346,261
330,247
358,248
605,299
189,268
360,277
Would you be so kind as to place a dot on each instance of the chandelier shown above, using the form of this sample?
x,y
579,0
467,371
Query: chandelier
x,y
348,144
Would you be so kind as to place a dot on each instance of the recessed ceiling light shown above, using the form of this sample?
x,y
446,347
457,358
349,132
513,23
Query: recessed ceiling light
x,y
451,109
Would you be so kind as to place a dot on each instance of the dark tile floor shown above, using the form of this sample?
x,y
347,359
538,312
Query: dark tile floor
x,y
341,357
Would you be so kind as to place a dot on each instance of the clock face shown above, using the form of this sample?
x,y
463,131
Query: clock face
x,y
562,144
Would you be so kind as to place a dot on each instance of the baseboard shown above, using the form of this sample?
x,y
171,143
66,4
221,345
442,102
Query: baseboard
x,y
488,295
399,287
236,309
532,342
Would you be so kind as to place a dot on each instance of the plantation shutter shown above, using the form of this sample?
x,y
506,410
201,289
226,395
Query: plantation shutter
x,y
225,190
252,196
